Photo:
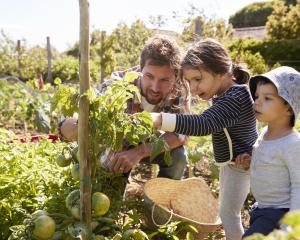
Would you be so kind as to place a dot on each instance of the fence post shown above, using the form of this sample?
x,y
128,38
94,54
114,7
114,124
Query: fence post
x,y
102,56
19,58
197,29
49,57
83,137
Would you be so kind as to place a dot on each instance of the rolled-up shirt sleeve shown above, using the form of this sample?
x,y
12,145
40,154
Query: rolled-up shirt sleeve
x,y
168,122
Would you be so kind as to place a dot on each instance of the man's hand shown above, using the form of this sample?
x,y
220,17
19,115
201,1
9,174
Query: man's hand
x,y
69,129
243,161
123,162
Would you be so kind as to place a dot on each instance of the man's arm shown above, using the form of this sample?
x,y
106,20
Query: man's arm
x,y
126,160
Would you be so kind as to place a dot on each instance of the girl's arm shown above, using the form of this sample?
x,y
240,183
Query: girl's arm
x,y
220,115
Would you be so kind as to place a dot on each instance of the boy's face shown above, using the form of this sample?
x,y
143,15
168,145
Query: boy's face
x,y
157,82
268,106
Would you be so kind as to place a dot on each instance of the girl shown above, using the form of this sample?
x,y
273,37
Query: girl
x,y
230,119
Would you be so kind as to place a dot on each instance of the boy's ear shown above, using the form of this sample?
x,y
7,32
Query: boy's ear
x,y
290,111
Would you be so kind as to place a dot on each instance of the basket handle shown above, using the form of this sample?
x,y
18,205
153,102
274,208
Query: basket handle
x,y
155,223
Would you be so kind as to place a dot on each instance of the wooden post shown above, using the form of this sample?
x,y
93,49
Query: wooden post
x,y
197,29
49,57
101,56
19,58
83,136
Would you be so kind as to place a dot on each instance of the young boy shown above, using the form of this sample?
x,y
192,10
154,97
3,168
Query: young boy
x,y
275,161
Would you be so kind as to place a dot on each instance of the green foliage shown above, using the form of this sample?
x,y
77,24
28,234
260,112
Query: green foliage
x,y
66,68
8,55
98,51
22,105
217,29
283,52
284,23
14,104
255,14
67,98
254,62
129,43
28,181
289,2
103,55
121,50
174,230
33,60
109,125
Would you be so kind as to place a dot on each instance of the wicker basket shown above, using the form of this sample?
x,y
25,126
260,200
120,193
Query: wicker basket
x,y
188,200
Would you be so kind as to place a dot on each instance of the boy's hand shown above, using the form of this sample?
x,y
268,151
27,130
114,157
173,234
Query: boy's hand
x,y
243,161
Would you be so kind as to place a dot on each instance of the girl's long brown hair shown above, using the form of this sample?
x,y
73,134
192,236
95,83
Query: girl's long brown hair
x,y
213,57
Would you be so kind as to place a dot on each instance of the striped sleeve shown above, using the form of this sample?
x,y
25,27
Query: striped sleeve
x,y
222,114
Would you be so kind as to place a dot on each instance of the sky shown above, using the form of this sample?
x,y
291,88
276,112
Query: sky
x,y
34,20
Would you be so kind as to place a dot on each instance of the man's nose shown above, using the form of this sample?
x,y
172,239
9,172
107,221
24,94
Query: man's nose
x,y
155,86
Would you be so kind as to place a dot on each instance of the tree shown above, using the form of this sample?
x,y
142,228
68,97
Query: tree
x,y
107,51
217,29
255,14
129,43
284,23
8,56
158,21
103,53
289,2
33,60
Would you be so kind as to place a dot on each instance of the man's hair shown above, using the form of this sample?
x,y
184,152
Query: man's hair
x,y
161,50
263,81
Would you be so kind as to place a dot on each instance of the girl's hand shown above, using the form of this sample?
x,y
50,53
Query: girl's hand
x,y
243,161
157,119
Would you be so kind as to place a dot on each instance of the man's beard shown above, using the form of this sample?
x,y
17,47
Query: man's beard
x,y
152,100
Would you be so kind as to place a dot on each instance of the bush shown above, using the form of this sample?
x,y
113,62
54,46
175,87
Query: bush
x,y
29,181
283,52
284,22
67,69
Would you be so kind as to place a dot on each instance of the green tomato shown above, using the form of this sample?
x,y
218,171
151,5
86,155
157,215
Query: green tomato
x,y
44,227
73,203
100,203
38,213
134,234
62,161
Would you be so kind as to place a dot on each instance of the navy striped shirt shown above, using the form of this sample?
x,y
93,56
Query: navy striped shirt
x,y
233,111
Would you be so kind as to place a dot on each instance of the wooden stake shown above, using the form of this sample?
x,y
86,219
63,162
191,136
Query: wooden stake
x,y
83,137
